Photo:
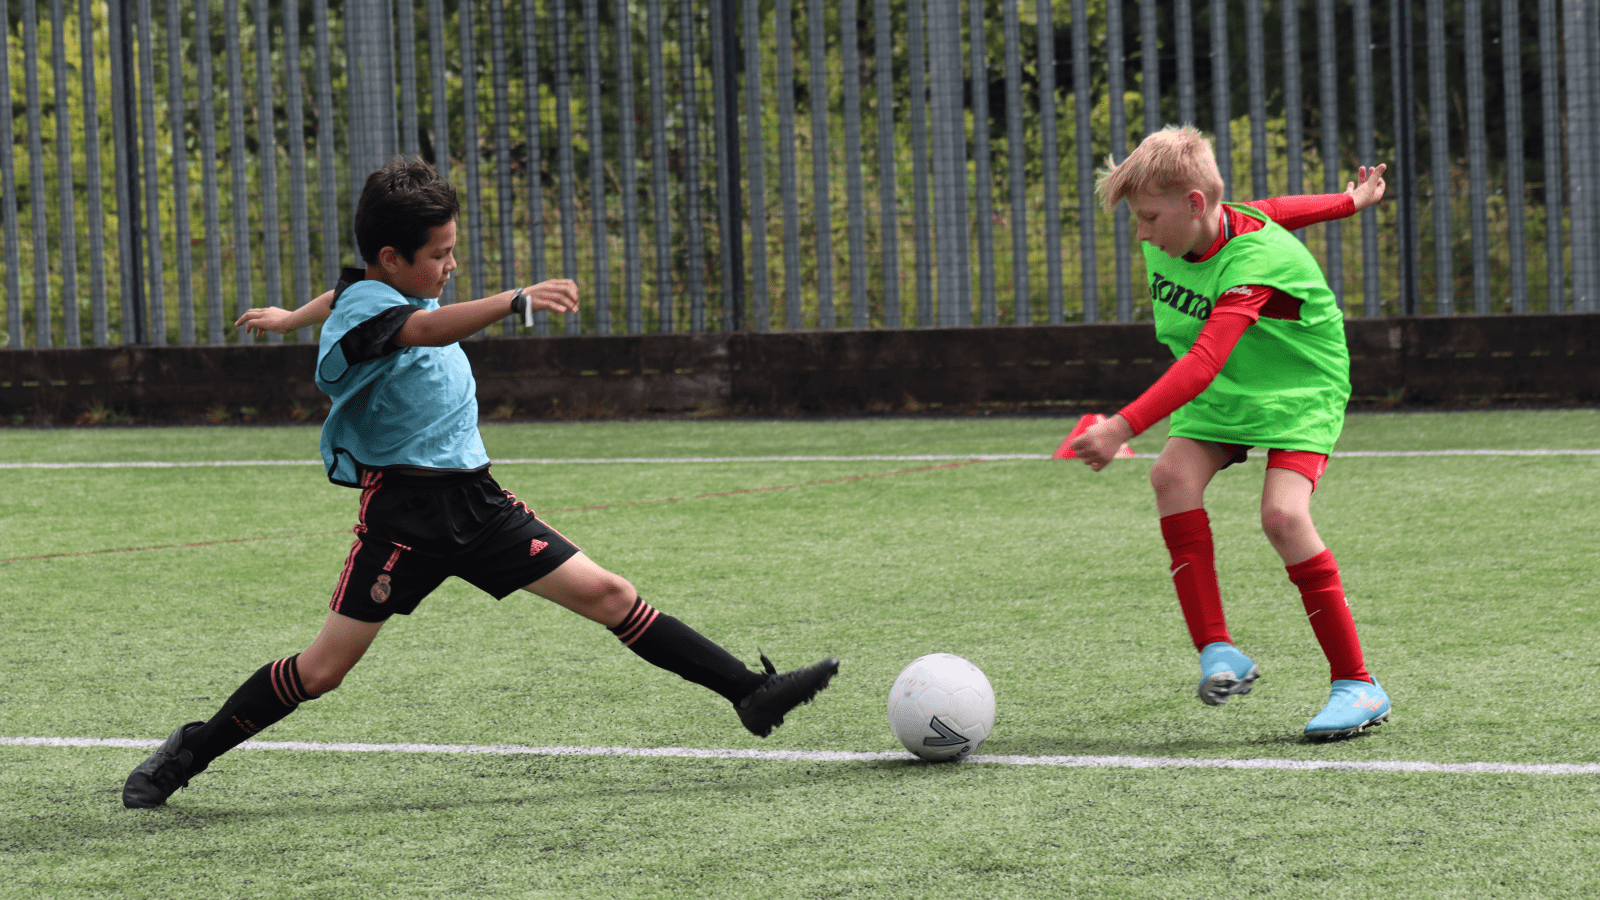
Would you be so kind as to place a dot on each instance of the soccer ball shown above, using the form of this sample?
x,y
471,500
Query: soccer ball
x,y
941,707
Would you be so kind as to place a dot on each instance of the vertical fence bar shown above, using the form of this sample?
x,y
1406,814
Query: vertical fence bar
x,y
1221,99
849,36
1328,41
1580,150
327,174
157,314
661,218
1439,169
8,210
754,121
1516,180
725,123
1550,101
921,228
535,143
568,189
1089,274
1402,65
948,179
70,332
504,196
1150,63
295,136
180,174
1119,152
817,93
1366,153
889,228
1049,159
983,177
1256,82
687,54
124,92
472,152
440,109
272,268
240,210
631,262
406,38
1293,104
92,176
36,203
597,172
1477,158
1016,165
357,154
788,181
1183,24
1590,39
211,212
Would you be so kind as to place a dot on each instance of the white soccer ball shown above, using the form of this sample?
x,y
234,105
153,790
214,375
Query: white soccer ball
x,y
941,707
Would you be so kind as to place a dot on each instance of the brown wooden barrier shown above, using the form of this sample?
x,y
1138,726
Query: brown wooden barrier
x,y
1434,360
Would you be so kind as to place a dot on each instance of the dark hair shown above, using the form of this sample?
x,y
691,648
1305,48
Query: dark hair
x,y
399,205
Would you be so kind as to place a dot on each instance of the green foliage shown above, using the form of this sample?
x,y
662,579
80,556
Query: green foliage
x,y
535,171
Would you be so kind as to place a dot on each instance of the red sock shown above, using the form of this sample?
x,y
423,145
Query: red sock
x,y
1194,574
1329,612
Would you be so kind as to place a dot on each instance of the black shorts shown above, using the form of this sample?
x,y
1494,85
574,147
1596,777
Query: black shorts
x,y
417,530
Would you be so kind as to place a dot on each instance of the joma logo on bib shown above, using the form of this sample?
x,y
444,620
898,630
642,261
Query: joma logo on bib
x,y
1179,298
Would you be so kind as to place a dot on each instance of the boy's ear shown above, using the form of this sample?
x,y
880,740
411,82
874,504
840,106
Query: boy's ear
x,y
389,258
1197,202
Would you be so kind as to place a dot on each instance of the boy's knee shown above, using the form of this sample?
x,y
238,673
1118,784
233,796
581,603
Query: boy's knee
x,y
613,594
1281,523
1167,479
320,679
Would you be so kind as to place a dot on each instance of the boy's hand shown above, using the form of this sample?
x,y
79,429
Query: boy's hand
x,y
1368,187
264,319
558,295
1099,445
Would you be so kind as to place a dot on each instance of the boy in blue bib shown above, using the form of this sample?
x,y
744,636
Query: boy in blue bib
x,y
404,429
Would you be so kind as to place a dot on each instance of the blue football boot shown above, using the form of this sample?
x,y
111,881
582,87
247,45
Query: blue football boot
x,y
1352,706
1224,671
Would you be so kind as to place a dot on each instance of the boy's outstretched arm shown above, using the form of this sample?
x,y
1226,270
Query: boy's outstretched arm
x,y
449,324
1298,211
263,319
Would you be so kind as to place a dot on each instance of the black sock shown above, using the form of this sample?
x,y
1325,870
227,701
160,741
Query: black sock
x,y
271,693
664,641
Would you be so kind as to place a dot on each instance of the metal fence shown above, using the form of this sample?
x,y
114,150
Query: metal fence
x,y
168,164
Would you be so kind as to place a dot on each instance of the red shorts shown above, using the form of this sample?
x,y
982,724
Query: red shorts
x,y
1309,464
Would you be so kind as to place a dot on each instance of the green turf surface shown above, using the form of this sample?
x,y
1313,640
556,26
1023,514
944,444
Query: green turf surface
x,y
1471,580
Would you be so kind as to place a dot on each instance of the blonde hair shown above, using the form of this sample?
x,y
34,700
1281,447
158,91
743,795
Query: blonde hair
x,y
1178,157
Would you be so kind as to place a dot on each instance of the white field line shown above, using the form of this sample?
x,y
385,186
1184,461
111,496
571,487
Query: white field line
x,y
825,756
928,457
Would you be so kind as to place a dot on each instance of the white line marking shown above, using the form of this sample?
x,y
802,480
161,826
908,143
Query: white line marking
x,y
929,457
1100,762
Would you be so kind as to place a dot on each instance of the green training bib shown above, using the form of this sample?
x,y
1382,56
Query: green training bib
x,y
1286,383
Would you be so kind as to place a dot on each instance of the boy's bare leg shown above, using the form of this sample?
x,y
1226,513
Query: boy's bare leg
x,y
1286,516
761,699
1182,472
1286,519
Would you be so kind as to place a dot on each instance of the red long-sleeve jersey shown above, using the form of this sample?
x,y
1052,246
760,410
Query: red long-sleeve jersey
x,y
1236,310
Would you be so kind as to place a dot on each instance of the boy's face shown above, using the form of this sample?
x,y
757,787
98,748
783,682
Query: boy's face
x,y
430,267
1172,221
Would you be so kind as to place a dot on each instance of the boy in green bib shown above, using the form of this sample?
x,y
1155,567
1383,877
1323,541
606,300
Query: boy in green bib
x,y
1261,362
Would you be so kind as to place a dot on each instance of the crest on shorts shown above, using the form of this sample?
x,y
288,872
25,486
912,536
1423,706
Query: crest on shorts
x,y
382,588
